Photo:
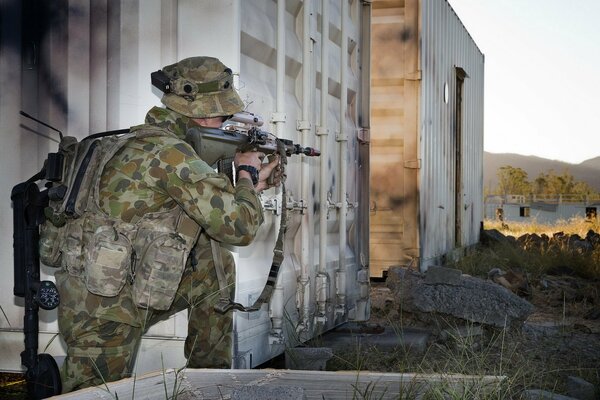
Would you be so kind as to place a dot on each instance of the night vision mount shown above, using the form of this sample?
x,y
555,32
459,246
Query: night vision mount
x,y
161,81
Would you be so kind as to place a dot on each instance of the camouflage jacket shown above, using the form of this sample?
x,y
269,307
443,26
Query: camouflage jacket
x,y
158,173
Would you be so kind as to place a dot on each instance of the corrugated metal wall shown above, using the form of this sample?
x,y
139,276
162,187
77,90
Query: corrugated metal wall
x,y
445,46
421,208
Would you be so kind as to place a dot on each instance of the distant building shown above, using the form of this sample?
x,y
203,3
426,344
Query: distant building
x,y
541,209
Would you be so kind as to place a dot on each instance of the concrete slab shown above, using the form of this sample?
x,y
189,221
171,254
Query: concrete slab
x,y
355,334
308,358
255,392
194,384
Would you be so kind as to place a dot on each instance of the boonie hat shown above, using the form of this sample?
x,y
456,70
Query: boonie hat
x,y
201,87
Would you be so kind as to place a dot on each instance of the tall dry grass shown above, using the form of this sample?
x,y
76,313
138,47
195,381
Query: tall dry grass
x,y
579,226
536,259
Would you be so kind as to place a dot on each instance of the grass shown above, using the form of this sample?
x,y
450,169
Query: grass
x,y
496,353
532,257
579,226
528,359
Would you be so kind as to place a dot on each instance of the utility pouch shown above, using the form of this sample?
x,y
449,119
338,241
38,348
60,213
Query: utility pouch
x,y
107,261
49,245
72,253
159,271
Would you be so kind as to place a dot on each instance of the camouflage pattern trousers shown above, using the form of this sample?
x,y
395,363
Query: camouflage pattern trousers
x,y
103,333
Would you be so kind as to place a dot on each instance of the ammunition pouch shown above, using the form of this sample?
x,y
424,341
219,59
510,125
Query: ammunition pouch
x,y
107,255
162,246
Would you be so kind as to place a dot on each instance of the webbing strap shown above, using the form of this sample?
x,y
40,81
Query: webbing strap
x,y
225,303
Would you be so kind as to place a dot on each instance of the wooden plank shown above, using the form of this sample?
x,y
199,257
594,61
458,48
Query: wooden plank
x,y
219,384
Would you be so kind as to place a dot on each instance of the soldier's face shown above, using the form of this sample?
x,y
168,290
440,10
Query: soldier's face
x,y
214,122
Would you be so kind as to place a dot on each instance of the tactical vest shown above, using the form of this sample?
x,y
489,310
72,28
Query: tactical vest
x,y
107,252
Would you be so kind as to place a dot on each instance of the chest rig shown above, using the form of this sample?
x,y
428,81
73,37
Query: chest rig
x,y
105,251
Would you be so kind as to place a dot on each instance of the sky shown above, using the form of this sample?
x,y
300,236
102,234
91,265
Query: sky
x,y
542,75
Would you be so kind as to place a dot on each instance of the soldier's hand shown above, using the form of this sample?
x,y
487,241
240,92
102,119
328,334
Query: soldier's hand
x,y
252,158
270,175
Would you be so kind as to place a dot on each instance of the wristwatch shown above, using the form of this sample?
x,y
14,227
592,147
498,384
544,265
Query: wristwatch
x,y
253,172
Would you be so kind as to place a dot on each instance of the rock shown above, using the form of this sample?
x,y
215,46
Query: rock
x,y
543,329
594,313
490,236
442,275
593,238
580,388
532,241
515,281
472,299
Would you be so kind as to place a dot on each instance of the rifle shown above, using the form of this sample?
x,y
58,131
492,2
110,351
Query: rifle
x,y
217,147
42,374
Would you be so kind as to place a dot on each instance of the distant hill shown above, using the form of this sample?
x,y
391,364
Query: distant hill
x,y
591,163
587,171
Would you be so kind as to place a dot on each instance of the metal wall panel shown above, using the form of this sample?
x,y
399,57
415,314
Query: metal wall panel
x,y
92,74
446,46
417,47
256,341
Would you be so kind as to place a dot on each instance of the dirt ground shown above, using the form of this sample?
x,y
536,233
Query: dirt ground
x,y
560,338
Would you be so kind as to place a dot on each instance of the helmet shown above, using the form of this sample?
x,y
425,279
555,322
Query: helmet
x,y
201,87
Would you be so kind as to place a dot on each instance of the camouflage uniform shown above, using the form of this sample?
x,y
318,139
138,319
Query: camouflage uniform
x,y
151,174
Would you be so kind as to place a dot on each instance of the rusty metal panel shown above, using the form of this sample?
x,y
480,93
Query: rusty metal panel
x,y
394,123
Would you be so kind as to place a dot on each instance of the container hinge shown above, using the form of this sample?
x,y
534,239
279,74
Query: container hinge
x,y
278,117
322,294
321,131
331,205
364,135
349,204
340,136
302,125
274,205
296,205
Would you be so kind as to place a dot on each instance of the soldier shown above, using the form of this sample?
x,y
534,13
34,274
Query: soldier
x,y
148,242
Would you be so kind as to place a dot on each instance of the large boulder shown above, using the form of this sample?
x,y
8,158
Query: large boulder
x,y
445,294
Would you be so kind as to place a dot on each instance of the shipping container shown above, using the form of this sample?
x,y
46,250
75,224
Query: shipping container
x,y
427,74
390,91
84,67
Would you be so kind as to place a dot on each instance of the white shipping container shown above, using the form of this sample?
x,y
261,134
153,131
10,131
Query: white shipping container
x,y
84,67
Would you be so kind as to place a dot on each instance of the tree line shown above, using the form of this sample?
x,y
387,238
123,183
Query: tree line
x,y
515,181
